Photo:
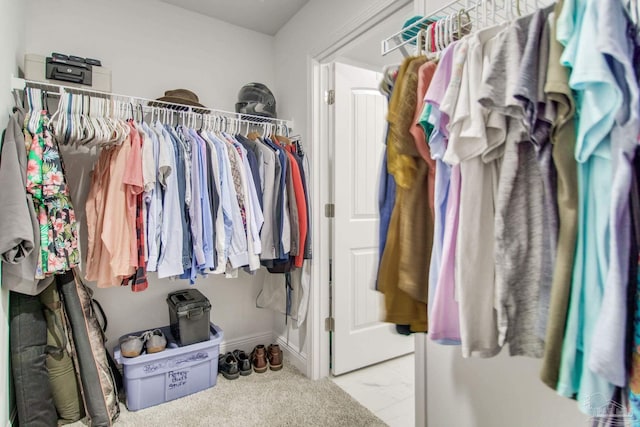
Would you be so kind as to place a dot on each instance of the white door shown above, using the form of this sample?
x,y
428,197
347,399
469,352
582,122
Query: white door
x,y
359,337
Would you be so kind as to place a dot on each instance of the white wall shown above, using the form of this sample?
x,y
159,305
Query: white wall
x,y
366,51
151,47
12,32
312,28
499,392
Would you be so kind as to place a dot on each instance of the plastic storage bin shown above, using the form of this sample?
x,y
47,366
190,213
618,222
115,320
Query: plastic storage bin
x,y
151,379
189,313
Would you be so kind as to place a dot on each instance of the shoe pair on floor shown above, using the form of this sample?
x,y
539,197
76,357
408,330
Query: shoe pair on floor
x,y
152,341
233,364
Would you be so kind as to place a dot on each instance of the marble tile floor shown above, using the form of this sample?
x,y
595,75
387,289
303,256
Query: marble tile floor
x,y
386,389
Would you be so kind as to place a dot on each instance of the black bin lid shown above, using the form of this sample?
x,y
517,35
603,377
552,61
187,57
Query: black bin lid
x,y
187,299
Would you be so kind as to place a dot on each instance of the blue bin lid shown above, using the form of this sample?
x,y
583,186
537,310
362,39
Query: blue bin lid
x,y
215,338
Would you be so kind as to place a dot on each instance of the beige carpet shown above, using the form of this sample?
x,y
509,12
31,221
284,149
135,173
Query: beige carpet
x,y
283,398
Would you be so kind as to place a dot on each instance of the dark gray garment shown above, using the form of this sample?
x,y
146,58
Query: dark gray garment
x,y
269,238
19,228
28,345
214,199
519,218
281,177
253,165
539,115
182,188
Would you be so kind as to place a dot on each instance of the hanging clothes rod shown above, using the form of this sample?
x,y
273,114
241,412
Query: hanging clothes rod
x,y
477,14
58,90
396,41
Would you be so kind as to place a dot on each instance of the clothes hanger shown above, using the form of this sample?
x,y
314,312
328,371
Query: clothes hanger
x,y
119,118
34,96
139,105
419,43
94,112
88,132
71,124
509,9
58,118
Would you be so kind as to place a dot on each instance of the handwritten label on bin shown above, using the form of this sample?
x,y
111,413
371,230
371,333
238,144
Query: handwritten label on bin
x,y
176,384
175,362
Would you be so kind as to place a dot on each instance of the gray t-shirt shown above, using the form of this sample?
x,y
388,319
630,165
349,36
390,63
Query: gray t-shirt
x,y
519,222
539,116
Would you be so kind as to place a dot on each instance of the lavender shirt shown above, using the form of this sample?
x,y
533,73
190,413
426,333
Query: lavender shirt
x,y
444,322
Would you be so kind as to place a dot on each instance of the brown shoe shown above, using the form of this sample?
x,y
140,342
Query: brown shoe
x,y
259,359
274,354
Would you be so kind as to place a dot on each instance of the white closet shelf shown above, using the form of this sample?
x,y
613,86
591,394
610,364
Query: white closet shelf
x,y
57,90
476,14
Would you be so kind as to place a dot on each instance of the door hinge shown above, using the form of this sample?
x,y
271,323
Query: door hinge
x,y
329,324
329,210
330,96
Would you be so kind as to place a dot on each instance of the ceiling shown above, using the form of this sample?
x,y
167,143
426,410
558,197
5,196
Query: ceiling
x,y
264,16
366,50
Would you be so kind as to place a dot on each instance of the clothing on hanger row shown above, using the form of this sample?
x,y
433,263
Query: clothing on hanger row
x,y
182,202
169,199
505,216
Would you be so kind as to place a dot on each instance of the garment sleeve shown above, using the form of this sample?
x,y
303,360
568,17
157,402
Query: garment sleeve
x,y
16,234
170,260
257,217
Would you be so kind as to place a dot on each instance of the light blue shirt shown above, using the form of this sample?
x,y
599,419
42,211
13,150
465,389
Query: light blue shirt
x,y
170,260
196,202
207,216
438,146
608,357
598,100
153,199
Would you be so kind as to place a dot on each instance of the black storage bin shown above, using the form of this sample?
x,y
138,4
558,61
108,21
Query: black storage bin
x,y
189,314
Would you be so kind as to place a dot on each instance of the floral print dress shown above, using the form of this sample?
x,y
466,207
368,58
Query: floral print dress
x,y
59,250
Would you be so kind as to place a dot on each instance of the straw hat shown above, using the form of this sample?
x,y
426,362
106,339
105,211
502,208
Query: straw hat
x,y
181,96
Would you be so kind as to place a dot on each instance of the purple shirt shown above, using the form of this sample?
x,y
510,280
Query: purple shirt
x,y
444,323
445,320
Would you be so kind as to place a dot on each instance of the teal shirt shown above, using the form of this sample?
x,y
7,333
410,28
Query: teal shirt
x,y
598,100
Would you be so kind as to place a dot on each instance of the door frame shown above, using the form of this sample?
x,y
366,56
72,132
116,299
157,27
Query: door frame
x,y
319,122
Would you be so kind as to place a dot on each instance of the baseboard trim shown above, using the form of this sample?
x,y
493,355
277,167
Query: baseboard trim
x,y
293,355
246,344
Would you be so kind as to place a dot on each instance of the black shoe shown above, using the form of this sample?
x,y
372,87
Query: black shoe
x,y
228,366
244,364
